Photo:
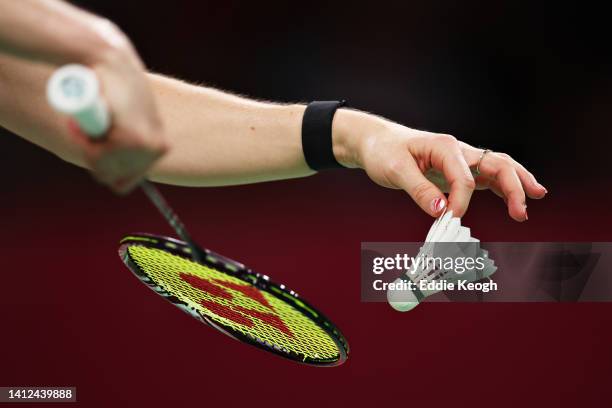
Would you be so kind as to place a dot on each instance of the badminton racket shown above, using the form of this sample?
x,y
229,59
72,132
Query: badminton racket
x,y
215,290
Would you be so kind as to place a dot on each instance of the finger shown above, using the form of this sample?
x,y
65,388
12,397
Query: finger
x,y
500,168
447,156
498,192
405,174
485,183
511,187
530,184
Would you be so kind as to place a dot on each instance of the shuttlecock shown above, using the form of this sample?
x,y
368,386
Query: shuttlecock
x,y
446,239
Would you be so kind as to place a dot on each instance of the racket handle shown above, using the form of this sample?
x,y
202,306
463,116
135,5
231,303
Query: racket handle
x,y
74,90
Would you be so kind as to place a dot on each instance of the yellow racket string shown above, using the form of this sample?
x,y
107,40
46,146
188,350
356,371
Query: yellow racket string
x,y
236,304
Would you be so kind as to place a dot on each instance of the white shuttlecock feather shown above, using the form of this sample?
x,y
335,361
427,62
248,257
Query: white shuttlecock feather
x,y
446,229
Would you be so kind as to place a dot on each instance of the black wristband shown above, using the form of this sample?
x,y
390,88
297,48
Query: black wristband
x,y
317,134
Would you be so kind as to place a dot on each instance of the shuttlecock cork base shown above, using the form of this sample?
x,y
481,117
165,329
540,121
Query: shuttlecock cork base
x,y
446,240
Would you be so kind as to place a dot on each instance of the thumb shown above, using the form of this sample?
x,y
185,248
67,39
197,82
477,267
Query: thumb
x,y
406,175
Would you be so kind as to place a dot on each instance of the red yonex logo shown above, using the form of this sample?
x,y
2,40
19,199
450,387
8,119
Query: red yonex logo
x,y
235,312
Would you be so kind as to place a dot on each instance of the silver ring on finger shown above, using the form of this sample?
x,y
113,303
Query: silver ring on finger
x,y
482,155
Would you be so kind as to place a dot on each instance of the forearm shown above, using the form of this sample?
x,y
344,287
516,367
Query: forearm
x,y
220,139
56,32
217,138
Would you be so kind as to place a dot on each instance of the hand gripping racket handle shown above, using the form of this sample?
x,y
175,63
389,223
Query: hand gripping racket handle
x,y
74,90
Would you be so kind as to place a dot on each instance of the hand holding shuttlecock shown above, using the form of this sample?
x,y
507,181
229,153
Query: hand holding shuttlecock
x,y
446,239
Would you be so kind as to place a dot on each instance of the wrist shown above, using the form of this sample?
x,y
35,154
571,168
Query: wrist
x,y
351,131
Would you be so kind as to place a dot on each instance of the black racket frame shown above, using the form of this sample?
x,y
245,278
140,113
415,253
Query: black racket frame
x,y
236,269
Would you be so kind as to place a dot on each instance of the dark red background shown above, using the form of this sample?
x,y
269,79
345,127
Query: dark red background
x,y
532,82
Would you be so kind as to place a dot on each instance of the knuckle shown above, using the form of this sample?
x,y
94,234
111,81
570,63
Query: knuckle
x,y
447,139
115,44
421,191
505,158
394,168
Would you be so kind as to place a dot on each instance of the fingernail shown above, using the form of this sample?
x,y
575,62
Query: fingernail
x,y
438,205
526,216
542,187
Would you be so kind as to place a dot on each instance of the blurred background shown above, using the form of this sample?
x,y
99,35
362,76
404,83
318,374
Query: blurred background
x,y
528,79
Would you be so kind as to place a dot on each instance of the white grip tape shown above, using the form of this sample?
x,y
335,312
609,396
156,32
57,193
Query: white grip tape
x,y
75,91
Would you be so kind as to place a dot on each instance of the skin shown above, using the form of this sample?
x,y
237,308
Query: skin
x,y
220,139
426,164
58,33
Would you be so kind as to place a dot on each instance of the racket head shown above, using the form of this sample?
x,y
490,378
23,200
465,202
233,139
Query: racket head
x,y
235,300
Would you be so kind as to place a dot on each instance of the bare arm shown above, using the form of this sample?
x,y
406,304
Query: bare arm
x,y
219,138
55,32
216,139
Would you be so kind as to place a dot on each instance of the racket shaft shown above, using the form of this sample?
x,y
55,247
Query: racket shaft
x,y
161,204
